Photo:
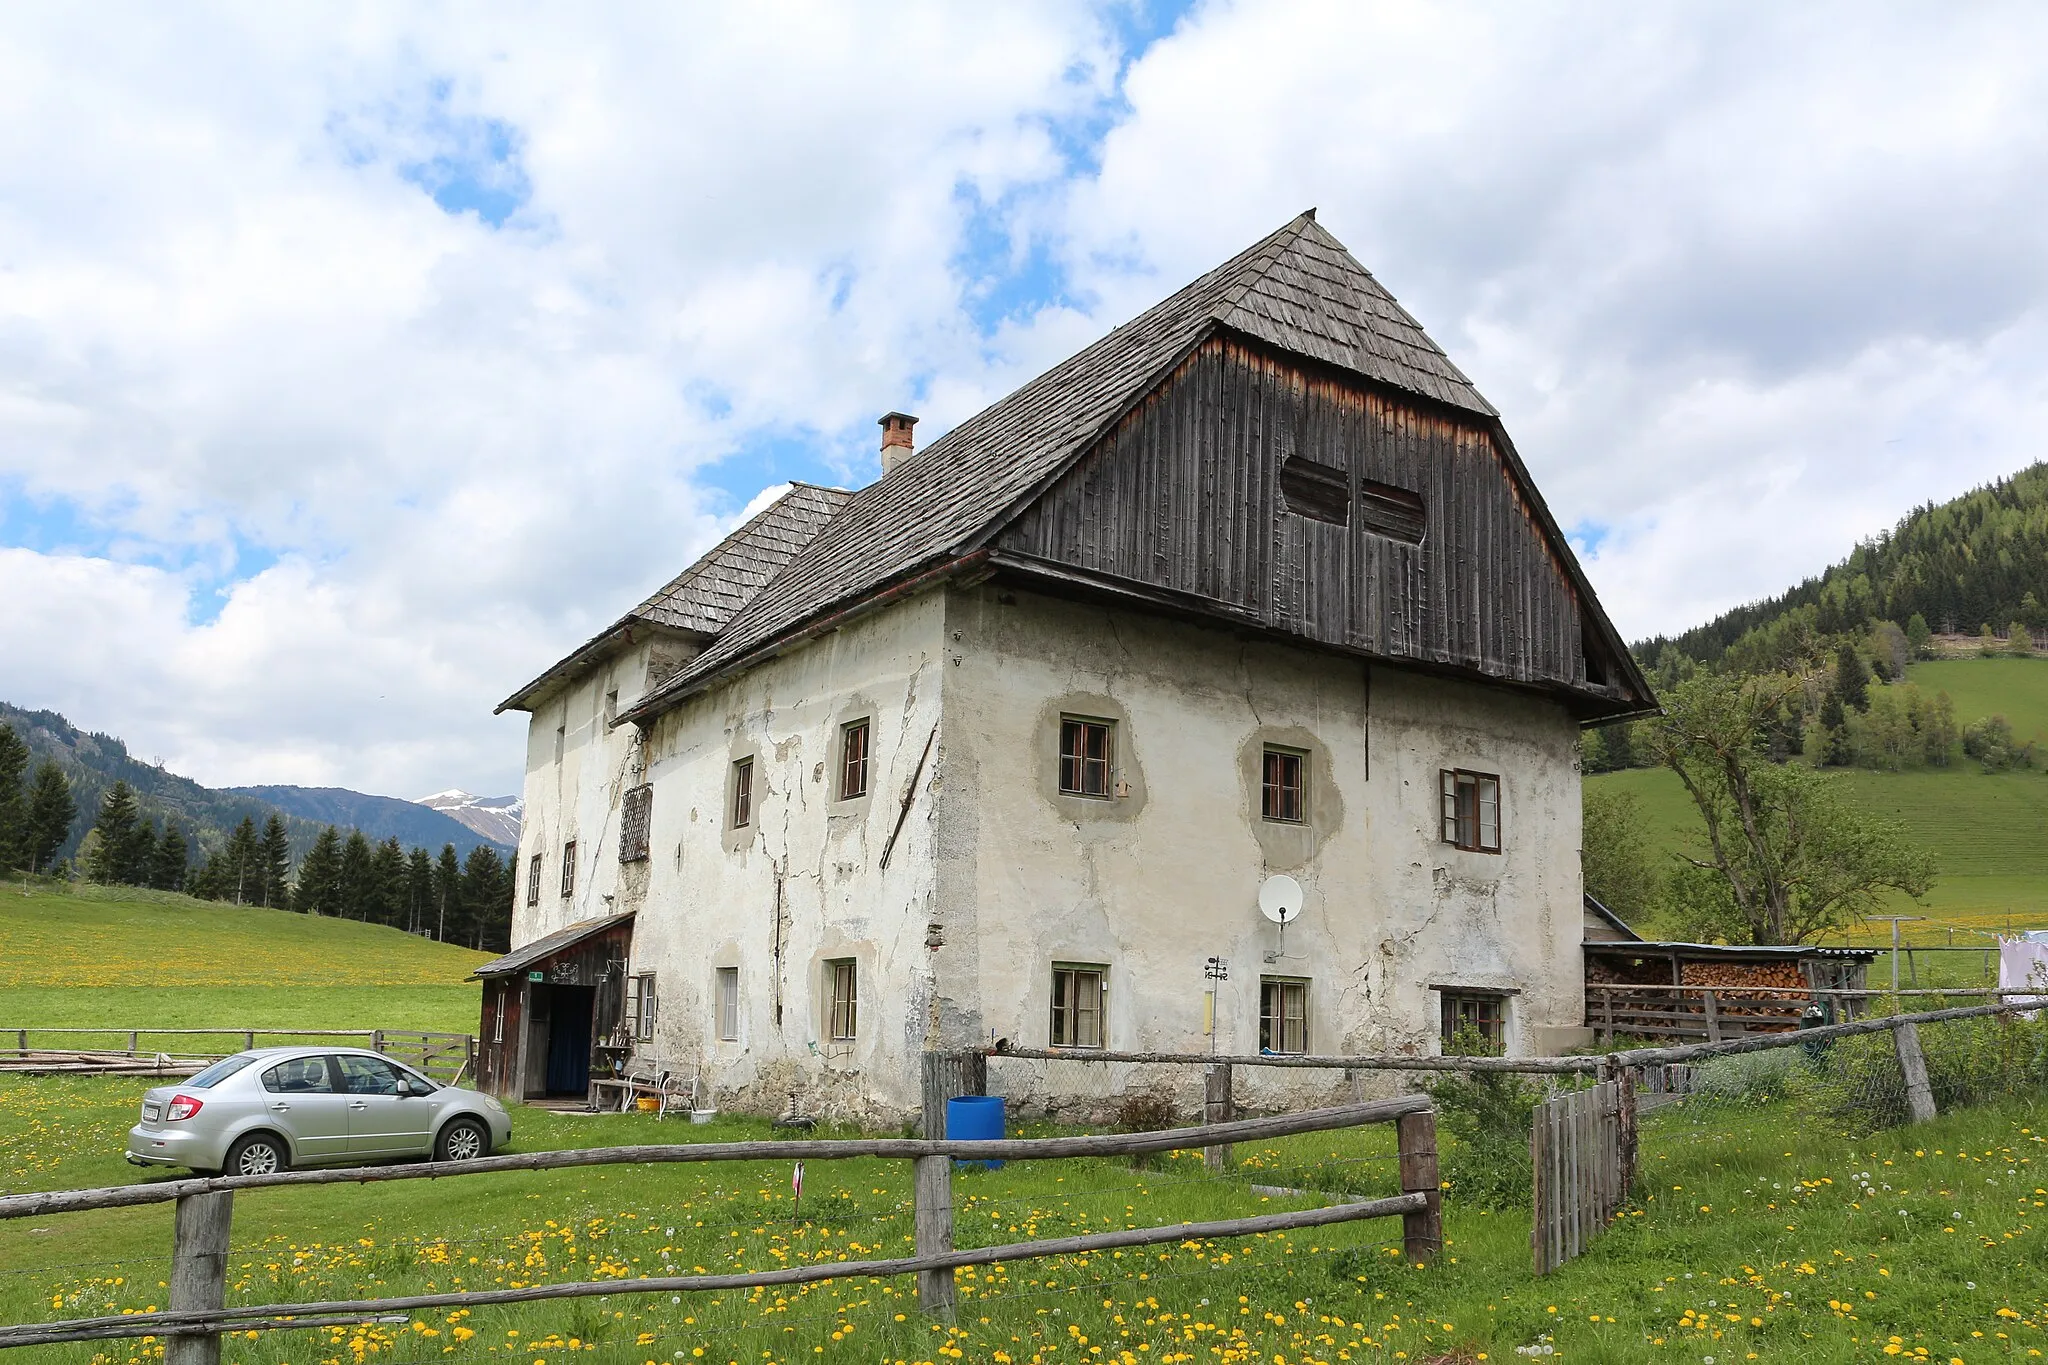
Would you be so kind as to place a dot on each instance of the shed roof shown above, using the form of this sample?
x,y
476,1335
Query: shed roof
x,y
541,949
1297,289
1726,952
703,597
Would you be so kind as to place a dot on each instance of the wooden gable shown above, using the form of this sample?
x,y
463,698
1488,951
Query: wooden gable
x,y
1270,490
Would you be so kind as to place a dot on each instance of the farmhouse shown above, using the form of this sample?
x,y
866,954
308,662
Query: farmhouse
x,y
1006,744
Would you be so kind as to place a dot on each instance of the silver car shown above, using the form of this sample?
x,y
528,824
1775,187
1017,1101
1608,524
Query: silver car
x,y
260,1112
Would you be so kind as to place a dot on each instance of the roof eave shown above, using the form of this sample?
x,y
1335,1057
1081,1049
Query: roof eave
x,y
908,584
579,660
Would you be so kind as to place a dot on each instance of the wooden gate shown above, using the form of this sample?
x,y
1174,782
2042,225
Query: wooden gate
x,y
1577,1154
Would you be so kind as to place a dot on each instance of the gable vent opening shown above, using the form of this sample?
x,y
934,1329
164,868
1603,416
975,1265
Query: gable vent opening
x,y
1392,512
1320,492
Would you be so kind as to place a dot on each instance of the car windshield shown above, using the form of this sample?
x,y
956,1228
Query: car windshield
x,y
218,1072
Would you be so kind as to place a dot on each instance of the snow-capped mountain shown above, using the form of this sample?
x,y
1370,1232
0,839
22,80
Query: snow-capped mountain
x,y
495,817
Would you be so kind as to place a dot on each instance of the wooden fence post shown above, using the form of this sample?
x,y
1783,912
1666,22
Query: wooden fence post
x,y
131,1042
1713,1017
248,1040
199,1272
1919,1094
1216,1108
934,1227
1422,1234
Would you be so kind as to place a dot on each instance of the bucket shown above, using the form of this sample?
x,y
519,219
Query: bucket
x,y
703,1115
976,1118
647,1104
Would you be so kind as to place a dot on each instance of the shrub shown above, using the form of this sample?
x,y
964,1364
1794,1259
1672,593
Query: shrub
x,y
1145,1112
1990,741
1486,1114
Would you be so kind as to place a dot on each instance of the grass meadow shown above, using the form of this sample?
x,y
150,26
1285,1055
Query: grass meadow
x,y
1757,1240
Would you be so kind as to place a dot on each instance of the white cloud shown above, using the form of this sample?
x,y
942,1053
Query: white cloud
x,y
337,467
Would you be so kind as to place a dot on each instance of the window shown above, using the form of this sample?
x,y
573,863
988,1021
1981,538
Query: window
x,y
1471,810
640,1004
213,1075
533,880
1319,491
636,818
371,1076
1085,756
1392,512
853,760
743,793
1484,1012
728,1000
568,869
1078,997
1283,1015
561,741
498,1017
1281,791
299,1076
843,1025
611,705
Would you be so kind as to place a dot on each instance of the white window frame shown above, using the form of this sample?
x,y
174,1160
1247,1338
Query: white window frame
x,y
725,1004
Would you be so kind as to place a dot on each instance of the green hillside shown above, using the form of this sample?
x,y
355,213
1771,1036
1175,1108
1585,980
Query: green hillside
x,y
2014,688
123,958
1989,833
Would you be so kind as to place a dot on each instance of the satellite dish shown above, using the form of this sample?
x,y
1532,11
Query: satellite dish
x,y
1280,899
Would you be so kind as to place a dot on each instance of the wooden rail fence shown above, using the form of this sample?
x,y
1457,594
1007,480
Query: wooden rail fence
x,y
447,1057
198,1313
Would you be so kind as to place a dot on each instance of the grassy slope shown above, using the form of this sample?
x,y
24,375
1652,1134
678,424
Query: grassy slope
x,y
1989,832
2014,688
123,960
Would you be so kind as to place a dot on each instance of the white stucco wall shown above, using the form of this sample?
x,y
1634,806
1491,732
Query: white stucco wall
x,y
576,797
803,884
1155,882
1019,877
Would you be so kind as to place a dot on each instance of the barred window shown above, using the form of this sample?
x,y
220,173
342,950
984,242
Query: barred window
x,y
568,869
853,760
843,1022
1281,791
1471,810
1086,753
1283,1015
1080,994
533,880
1484,1012
636,818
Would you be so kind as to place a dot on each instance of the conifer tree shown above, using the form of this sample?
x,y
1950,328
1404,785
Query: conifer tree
x,y
140,859
242,875
486,896
50,813
274,863
111,861
419,889
357,892
387,883
1852,680
448,896
13,799
319,888
167,864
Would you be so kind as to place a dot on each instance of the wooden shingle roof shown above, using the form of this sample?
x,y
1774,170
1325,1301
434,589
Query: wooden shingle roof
x,y
1297,289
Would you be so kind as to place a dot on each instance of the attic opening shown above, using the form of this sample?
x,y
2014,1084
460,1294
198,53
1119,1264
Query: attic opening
x,y
1393,512
1320,492
1600,669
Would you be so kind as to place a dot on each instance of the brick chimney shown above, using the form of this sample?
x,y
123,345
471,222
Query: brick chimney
x,y
896,440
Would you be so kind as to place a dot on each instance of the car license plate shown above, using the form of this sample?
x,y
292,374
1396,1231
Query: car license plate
x,y
149,1112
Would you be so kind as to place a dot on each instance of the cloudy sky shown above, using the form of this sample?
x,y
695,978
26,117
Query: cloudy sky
x,y
357,361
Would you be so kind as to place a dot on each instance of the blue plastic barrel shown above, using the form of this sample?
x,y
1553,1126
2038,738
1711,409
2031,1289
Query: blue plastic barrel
x,y
975,1118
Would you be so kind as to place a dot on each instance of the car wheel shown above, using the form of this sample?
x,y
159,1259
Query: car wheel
x,y
462,1140
257,1154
